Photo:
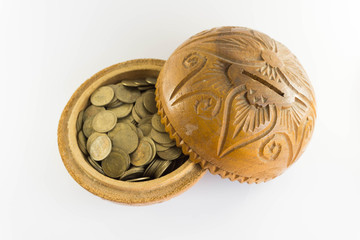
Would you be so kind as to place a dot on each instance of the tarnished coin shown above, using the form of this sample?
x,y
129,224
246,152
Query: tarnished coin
x,y
170,144
149,102
104,121
134,82
127,140
156,123
79,121
170,154
143,88
117,128
127,94
145,128
99,147
150,170
159,137
132,173
142,155
135,115
140,109
123,110
95,165
82,142
91,111
91,138
150,80
161,168
102,96
128,119
139,179
160,147
146,120
87,127
116,164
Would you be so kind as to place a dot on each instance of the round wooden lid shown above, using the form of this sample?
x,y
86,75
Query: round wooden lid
x,y
238,102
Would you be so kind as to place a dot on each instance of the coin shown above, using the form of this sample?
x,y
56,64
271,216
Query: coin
x,y
170,154
145,128
135,115
102,96
139,179
143,88
150,80
134,83
160,147
79,121
140,109
127,119
152,143
146,120
132,173
87,127
95,165
127,94
139,132
116,164
156,123
117,128
142,155
149,102
123,110
159,137
114,104
170,144
151,169
99,147
161,168
91,111
126,139
104,121
82,142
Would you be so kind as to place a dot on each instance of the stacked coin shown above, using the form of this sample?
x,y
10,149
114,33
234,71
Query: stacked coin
x,y
122,136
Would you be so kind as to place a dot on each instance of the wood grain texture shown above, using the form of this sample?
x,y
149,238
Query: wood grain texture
x,y
238,102
137,193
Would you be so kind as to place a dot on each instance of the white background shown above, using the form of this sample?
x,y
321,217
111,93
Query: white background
x,y
48,48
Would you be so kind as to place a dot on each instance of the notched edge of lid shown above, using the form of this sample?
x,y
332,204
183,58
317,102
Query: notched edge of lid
x,y
193,156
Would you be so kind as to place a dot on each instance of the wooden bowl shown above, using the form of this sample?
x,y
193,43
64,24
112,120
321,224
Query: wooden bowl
x,y
135,193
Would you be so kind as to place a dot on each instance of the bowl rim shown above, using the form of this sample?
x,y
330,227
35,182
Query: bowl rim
x,y
133,193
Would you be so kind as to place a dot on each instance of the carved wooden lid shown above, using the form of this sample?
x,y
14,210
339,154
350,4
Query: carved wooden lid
x,y
238,102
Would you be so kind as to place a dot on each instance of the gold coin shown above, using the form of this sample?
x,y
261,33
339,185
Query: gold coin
x,y
134,82
139,179
87,127
170,144
91,111
156,123
160,147
152,143
116,164
140,109
102,96
149,102
99,146
142,155
123,110
143,88
82,142
117,128
145,128
161,168
95,165
150,80
150,170
115,104
135,115
170,154
132,173
126,139
104,121
146,120
127,119
127,94
139,133
159,137
79,121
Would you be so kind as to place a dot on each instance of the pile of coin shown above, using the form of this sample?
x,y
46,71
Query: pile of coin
x,y
122,136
